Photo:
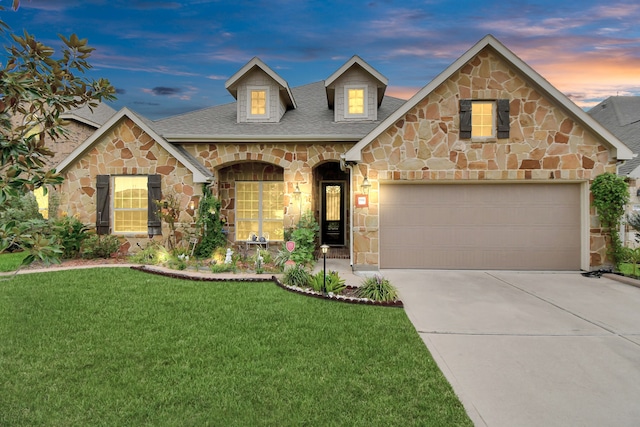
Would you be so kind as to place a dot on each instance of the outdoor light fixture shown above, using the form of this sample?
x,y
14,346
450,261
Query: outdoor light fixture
x,y
324,248
365,185
297,194
192,205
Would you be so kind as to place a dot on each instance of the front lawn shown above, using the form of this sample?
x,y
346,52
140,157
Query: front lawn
x,y
11,261
112,346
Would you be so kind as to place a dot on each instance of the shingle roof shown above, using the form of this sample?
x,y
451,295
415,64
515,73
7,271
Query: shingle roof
x,y
95,118
621,116
311,120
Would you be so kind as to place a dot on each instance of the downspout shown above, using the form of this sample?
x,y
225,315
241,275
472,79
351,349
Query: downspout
x,y
344,165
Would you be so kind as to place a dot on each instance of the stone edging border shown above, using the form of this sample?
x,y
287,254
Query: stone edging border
x,y
310,293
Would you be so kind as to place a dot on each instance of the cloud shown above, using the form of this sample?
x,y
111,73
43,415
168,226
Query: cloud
x,y
216,77
120,91
184,94
164,91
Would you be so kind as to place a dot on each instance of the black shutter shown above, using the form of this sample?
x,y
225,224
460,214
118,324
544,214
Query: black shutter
x,y
102,204
503,118
154,192
465,118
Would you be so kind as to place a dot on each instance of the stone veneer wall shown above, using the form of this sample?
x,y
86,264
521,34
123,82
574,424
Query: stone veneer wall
x,y
544,144
125,150
296,160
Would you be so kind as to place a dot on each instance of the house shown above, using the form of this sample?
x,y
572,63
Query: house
x,y
488,166
621,116
80,124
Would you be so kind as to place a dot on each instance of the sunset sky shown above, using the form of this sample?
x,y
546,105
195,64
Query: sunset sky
x,y
167,57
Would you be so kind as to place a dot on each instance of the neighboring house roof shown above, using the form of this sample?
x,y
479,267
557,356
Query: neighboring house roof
x,y
311,121
232,83
620,151
621,115
95,118
356,61
200,174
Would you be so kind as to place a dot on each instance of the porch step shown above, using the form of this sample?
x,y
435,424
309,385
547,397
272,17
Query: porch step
x,y
334,252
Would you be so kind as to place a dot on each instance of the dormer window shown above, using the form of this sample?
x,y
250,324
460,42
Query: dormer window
x,y
356,101
258,102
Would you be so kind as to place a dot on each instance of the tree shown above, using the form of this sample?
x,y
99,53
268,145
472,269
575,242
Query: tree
x,y
37,87
610,195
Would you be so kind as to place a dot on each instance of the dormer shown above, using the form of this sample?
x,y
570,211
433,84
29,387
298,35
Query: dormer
x,y
262,95
355,91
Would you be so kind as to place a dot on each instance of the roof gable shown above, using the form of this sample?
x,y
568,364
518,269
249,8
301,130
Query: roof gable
x,y
199,174
621,151
94,116
355,61
232,83
621,116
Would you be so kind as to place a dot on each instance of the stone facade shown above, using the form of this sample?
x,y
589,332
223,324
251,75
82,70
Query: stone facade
x,y
291,163
125,150
544,144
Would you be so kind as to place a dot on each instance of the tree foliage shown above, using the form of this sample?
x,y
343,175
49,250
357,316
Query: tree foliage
x,y
36,87
610,195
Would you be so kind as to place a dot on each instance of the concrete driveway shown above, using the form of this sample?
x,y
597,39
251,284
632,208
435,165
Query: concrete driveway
x,y
531,349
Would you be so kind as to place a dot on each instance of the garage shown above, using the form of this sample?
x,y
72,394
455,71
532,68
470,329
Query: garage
x,y
506,226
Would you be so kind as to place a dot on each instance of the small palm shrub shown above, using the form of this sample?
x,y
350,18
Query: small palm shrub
x,y
335,284
296,276
70,233
377,288
281,258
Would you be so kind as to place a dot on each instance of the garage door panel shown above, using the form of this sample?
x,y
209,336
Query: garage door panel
x,y
504,226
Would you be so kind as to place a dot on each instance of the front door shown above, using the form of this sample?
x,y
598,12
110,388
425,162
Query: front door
x,y
332,214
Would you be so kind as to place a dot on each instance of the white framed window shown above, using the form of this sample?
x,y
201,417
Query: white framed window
x,y
257,101
259,209
483,119
355,102
130,204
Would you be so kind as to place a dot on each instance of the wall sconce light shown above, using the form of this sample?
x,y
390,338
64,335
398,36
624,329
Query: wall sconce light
x,y
297,192
365,187
192,205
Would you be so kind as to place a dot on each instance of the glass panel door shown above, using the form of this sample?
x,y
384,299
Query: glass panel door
x,y
332,213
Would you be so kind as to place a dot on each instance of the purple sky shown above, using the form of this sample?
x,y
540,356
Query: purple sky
x,y
168,57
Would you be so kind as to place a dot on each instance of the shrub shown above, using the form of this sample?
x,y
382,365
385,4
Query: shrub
x,y
335,284
297,276
223,268
377,288
610,195
153,254
97,246
70,234
281,258
305,237
209,222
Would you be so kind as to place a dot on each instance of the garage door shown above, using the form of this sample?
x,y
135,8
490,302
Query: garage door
x,y
500,226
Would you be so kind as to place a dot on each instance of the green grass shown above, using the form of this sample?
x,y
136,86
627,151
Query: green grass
x,y
627,269
118,347
11,261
